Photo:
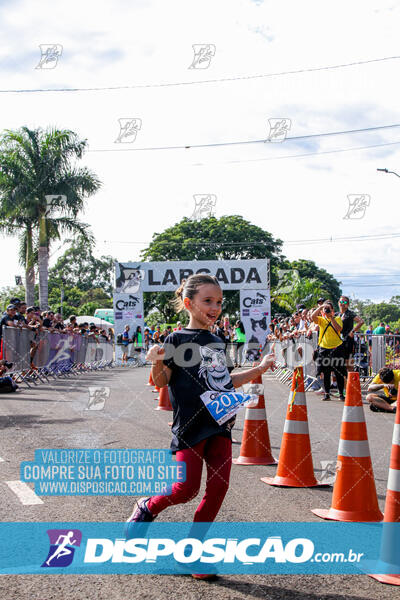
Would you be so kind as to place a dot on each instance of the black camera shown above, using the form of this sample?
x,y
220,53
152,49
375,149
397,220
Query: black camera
x,y
327,310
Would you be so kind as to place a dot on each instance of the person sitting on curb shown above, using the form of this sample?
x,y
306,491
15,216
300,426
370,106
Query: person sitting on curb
x,y
382,391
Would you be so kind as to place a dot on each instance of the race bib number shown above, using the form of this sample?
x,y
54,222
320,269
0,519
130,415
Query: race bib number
x,y
222,406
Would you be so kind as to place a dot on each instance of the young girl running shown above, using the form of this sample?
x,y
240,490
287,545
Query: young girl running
x,y
196,436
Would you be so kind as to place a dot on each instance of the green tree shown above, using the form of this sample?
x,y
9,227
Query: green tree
x,y
79,267
8,292
293,290
226,238
308,270
40,182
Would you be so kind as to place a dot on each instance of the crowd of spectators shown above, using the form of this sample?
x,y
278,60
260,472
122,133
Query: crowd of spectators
x,y
18,314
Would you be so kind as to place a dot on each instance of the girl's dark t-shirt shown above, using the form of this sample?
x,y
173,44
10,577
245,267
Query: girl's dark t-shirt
x,y
198,363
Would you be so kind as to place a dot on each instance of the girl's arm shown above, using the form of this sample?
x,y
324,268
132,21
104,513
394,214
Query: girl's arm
x,y
160,373
238,379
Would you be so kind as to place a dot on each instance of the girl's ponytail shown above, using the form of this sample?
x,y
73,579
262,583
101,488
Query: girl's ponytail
x,y
177,302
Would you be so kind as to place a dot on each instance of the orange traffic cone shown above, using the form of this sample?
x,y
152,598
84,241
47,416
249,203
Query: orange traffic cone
x,y
354,493
390,548
150,382
256,447
156,389
295,467
164,402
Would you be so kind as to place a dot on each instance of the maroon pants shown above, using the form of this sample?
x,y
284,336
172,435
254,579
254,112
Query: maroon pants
x,y
216,451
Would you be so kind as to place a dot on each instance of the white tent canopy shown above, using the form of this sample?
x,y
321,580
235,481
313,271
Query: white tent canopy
x,y
90,319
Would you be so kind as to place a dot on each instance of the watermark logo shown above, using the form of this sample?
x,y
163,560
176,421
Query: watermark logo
x,y
329,470
128,129
358,204
53,202
203,54
63,543
278,129
97,397
253,388
286,281
50,53
204,205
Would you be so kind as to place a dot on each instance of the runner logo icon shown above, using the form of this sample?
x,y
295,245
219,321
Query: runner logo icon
x,y
61,551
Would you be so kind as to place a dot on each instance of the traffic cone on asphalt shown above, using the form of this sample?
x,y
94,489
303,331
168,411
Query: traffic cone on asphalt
x,y
164,402
295,467
156,390
354,493
150,382
256,447
390,547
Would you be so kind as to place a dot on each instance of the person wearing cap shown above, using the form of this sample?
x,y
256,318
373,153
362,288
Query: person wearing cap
x,y
178,326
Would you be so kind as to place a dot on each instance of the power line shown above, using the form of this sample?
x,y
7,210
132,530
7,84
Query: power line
x,y
220,80
246,142
310,153
383,236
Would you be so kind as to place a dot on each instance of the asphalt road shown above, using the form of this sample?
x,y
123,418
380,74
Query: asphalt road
x,y
54,416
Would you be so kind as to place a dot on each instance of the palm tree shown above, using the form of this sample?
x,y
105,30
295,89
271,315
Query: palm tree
x,y
39,183
293,290
14,224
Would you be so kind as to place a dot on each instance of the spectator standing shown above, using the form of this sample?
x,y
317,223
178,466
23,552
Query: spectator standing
x,y
125,344
349,329
330,358
8,320
380,330
239,341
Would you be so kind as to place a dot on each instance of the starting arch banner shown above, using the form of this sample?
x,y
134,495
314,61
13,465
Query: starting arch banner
x,y
251,277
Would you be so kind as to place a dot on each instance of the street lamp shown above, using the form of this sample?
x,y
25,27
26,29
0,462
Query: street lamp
x,y
386,171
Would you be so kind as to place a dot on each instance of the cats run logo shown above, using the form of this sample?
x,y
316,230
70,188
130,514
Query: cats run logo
x,y
63,543
129,279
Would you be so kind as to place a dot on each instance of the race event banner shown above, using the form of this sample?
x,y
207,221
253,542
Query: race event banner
x,y
166,276
128,310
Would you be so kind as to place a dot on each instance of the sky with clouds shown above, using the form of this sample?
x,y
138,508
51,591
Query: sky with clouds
x,y
296,189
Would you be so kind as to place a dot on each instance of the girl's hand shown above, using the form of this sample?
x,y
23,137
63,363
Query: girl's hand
x,y
268,362
155,353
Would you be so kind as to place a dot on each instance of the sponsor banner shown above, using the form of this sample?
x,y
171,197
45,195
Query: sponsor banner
x,y
128,310
166,276
99,472
177,548
255,314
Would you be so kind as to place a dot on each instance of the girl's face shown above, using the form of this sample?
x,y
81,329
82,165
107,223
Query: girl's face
x,y
205,307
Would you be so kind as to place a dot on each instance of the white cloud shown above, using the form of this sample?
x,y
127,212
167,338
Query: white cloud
x,y
127,43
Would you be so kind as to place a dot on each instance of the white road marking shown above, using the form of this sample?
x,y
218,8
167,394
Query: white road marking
x,y
24,493
1,459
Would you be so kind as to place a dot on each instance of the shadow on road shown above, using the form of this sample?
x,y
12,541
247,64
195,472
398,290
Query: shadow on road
x,y
31,420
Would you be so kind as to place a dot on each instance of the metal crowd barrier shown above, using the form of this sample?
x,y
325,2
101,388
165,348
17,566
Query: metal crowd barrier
x,y
38,355
369,357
